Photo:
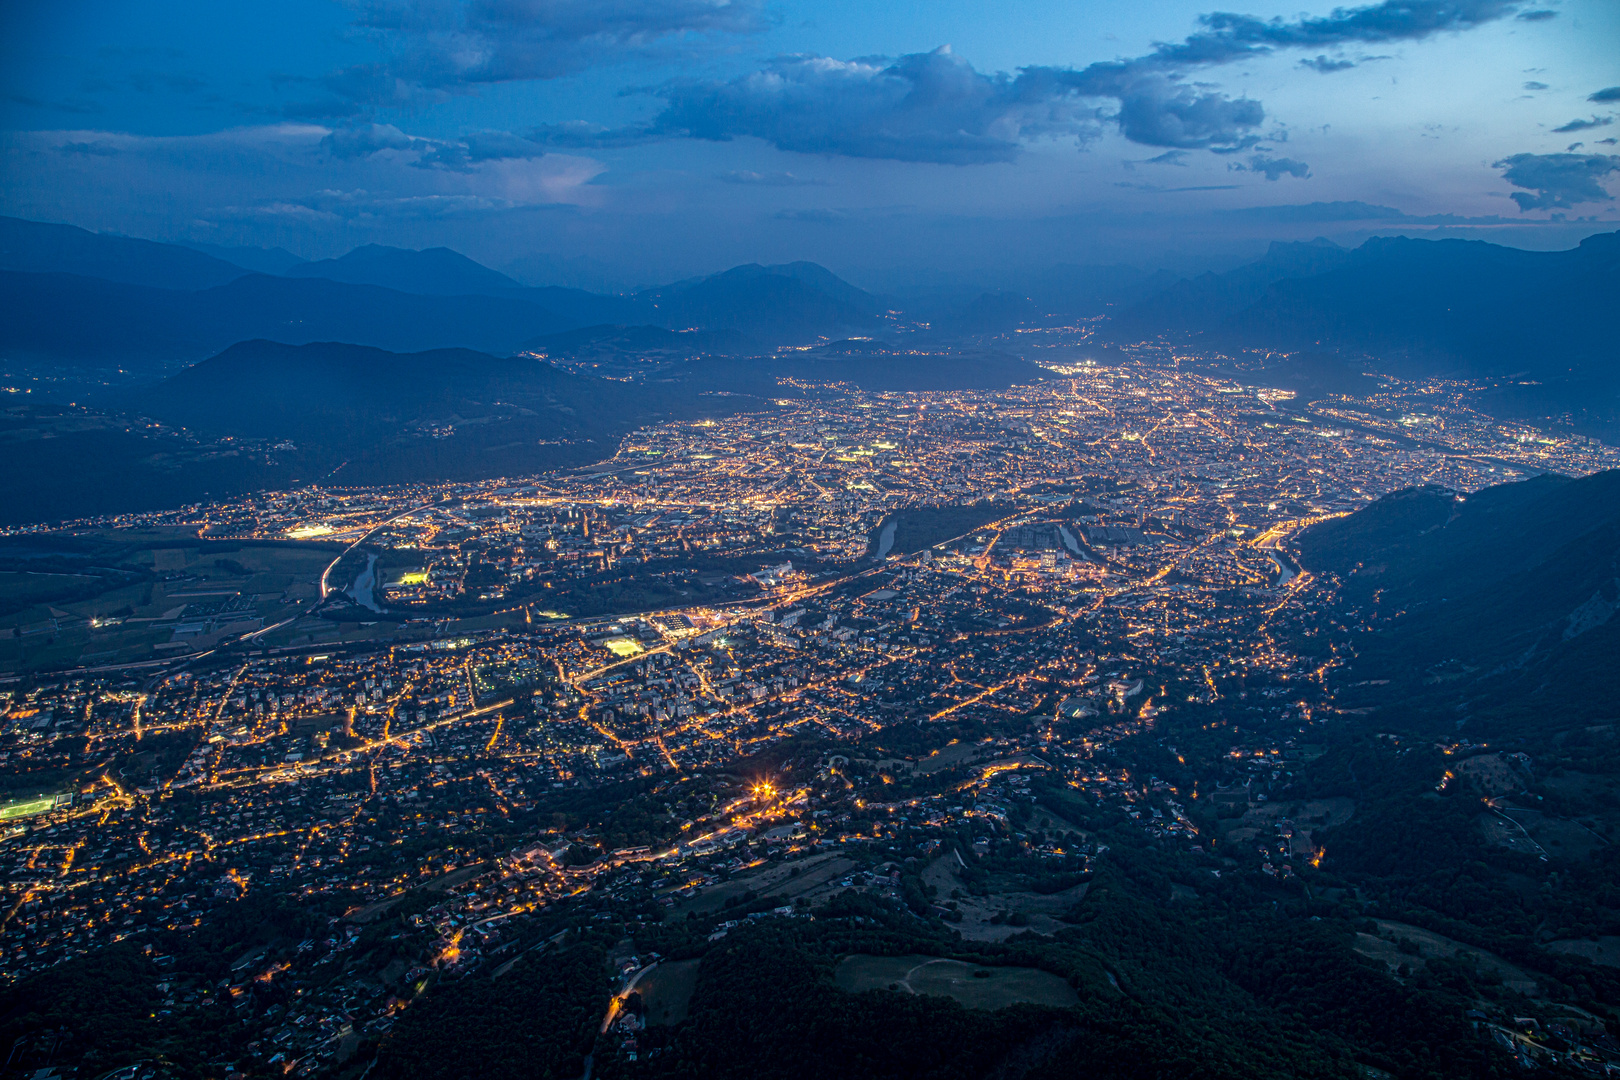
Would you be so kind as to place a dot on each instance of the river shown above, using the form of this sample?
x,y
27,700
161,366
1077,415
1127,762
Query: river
x,y
364,586
886,538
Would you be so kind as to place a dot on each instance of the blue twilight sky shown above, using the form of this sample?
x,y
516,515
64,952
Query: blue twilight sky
x,y
617,142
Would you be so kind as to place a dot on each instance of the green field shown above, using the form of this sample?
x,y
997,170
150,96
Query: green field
x,y
27,808
974,985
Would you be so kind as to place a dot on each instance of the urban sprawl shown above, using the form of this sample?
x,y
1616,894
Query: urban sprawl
x,y
357,696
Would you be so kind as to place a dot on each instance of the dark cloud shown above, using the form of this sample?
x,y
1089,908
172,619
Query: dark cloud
x,y
89,149
459,154
1539,15
64,105
1326,65
1535,86
1158,111
1559,181
1317,212
1169,157
365,140
151,82
1228,36
469,150
1585,125
368,206
1607,94
814,217
328,108
923,107
769,179
935,107
1171,190
1274,168
440,47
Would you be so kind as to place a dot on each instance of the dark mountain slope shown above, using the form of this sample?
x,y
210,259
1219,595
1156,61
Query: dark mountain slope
x,y
88,319
820,278
434,271
257,259
68,317
580,308
872,366
61,462
795,303
635,351
263,414
1538,324
1091,290
345,395
1422,544
1505,596
990,313
614,339
1454,305
1208,300
392,417
42,248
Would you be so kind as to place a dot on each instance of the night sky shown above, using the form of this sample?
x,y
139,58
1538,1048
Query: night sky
x,y
611,143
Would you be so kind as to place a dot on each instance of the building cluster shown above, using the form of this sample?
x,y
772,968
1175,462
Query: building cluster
x,y
1059,565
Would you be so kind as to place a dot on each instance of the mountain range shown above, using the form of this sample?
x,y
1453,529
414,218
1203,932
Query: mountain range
x,y
267,414
1537,323
79,297
1500,602
197,341
39,247
435,271
1450,307
75,319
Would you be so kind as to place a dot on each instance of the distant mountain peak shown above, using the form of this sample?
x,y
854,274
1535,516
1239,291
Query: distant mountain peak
x,y
788,302
435,271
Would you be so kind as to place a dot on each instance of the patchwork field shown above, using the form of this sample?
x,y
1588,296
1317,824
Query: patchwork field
x,y
986,918
810,877
1605,950
1430,945
138,590
973,985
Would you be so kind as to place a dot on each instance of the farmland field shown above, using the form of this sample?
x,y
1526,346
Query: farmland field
x,y
995,988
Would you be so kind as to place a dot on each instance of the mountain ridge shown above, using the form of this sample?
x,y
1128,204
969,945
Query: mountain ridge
x,y
43,247
1506,595
435,271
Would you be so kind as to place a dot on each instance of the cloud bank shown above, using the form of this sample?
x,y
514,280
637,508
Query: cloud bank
x,y
1559,181
1275,168
459,154
1585,125
439,48
934,107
